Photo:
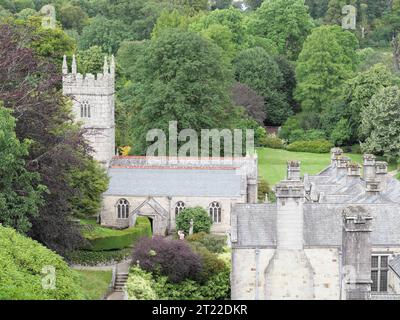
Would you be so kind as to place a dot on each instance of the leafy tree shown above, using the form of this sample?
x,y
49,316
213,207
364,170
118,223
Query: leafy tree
x,y
257,69
245,97
170,20
317,8
223,37
285,22
26,13
22,262
201,220
341,134
231,18
334,13
358,93
105,33
90,60
73,17
20,191
381,123
253,4
164,257
181,77
91,181
58,147
327,60
220,4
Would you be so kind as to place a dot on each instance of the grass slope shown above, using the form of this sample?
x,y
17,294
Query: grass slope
x,y
272,163
94,284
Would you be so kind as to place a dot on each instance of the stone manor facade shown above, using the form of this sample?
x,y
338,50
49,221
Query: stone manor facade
x,y
335,235
156,187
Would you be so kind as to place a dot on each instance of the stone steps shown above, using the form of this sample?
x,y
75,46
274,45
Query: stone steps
x,y
120,282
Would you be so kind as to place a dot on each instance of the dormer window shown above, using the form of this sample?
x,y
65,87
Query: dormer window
x,y
85,109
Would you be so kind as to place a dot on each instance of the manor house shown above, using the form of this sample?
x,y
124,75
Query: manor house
x,y
156,187
335,235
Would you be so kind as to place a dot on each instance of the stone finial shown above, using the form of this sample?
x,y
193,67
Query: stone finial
x,y
105,66
65,65
74,68
112,66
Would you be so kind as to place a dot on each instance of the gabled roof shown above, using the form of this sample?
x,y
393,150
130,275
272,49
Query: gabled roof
x,y
174,182
394,264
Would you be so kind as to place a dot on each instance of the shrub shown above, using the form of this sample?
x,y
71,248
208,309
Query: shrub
x,y
211,264
101,239
272,141
22,261
263,189
214,243
171,258
201,220
139,285
314,134
216,288
91,258
316,146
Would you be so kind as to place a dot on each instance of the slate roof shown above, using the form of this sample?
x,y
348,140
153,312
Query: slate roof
x,y
256,224
394,264
174,182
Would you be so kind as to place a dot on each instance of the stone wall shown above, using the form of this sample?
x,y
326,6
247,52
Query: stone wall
x,y
109,214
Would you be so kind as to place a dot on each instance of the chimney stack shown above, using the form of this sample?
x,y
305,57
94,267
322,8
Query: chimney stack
x,y
336,153
342,164
356,249
369,169
381,173
353,171
293,170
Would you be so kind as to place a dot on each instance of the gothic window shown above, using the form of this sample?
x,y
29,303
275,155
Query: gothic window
x,y
122,209
85,109
215,212
180,205
379,273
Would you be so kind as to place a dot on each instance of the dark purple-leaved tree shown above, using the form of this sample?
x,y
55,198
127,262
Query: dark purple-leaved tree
x,y
30,86
171,258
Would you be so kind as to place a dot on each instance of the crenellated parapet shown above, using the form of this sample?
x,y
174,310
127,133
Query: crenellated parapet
x,y
75,83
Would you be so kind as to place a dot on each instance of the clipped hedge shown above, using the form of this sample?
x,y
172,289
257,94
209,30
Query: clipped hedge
x,y
104,239
92,258
272,141
314,146
25,267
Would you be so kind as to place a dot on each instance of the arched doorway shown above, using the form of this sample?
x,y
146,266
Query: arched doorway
x,y
156,214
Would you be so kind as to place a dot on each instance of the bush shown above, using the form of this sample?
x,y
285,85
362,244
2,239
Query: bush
x,y
91,258
212,242
22,261
263,189
272,141
201,220
139,285
210,262
316,146
216,288
101,239
171,258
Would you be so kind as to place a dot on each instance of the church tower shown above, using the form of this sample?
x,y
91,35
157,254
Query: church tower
x,y
93,100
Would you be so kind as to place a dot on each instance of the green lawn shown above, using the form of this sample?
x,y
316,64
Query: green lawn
x,y
94,284
272,163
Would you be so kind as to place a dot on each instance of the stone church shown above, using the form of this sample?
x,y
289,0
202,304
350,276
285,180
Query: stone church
x,y
335,235
156,187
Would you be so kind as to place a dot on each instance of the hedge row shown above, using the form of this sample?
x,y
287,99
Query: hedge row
x,y
315,146
92,258
103,240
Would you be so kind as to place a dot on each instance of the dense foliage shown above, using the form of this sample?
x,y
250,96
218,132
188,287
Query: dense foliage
x,y
25,265
201,220
171,258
